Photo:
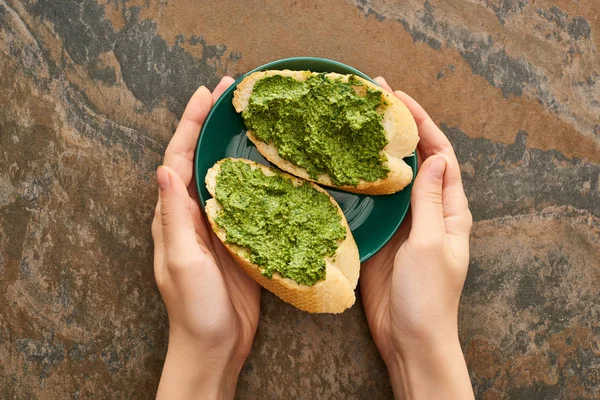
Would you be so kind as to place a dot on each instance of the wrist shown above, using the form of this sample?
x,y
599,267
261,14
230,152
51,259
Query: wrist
x,y
192,371
430,370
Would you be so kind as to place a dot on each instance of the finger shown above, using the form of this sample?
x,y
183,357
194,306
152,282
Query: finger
x,y
420,157
157,235
179,155
433,141
246,291
383,83
222,87
426,202
201,225
159,245
177,225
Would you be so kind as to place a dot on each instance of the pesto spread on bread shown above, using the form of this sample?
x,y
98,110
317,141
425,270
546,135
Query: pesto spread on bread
x,y
285,228
321,125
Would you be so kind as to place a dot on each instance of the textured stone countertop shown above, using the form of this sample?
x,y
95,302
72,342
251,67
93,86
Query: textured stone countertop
x,y
91,91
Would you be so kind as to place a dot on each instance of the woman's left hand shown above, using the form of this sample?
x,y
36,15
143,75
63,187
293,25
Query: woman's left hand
x,y
213,305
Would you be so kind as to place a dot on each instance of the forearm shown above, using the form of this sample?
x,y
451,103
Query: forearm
x,y
192,374
438,373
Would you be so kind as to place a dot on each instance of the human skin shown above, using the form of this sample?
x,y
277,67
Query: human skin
x,y
213,306
410,289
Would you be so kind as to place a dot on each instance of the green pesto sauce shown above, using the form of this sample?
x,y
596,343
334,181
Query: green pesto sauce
x,y
287,229
321,125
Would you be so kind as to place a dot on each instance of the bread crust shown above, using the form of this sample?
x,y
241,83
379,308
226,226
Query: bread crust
x,y
334,294
400,128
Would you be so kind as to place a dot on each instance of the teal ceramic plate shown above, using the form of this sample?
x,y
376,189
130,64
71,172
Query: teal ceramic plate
x,y
373,219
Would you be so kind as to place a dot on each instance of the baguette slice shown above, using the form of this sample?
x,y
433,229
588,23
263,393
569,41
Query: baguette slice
x,y
399,125
334,294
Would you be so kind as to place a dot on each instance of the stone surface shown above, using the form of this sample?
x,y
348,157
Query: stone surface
x,y
91,93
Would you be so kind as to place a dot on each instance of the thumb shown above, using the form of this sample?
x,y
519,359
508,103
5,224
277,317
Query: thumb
x,y
426,200
176,218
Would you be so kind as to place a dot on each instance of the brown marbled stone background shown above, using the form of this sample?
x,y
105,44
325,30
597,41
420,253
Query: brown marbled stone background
x,y
90,93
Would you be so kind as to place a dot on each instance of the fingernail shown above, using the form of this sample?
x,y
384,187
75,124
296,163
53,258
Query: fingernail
x,y
163,178
437,166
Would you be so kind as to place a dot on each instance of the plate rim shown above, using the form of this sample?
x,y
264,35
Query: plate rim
x,y
413,158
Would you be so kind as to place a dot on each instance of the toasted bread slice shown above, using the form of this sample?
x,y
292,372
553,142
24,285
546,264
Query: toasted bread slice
x,y
400,128
334,294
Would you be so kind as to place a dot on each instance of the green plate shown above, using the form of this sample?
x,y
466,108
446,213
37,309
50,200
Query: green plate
x,y
373,219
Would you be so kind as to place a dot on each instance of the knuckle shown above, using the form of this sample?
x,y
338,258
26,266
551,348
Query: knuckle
x,y
155,228
458,272
427,244
467,216
444,147
469,219
214,329
433,196
166,216
181,263
158,275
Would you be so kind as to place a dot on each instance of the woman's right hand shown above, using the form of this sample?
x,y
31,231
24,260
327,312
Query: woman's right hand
x,y
411,289
213,305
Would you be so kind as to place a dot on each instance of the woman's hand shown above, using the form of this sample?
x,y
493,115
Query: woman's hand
x,y
213,305
411,289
